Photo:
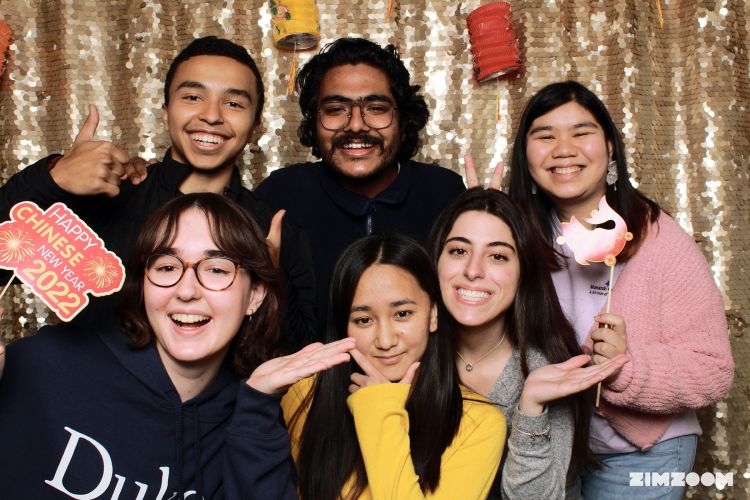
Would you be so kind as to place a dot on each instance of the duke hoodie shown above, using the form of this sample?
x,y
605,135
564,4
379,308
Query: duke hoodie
x,y
88,417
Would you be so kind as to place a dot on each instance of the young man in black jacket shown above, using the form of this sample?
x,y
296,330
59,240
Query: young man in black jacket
x,y
362,117
213,99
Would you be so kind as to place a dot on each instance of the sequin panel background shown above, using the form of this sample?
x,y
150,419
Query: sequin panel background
x,y
680,94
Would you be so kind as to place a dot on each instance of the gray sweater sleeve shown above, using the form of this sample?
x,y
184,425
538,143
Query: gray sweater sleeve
x,y
535,467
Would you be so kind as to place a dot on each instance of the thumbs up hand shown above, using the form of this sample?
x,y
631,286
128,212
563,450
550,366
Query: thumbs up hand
x,y
91,167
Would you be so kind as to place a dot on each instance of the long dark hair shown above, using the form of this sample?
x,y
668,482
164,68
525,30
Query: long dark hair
x,y
535,318
329,450
237,235
637,210
412,108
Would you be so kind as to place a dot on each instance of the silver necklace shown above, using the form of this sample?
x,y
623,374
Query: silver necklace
x,y
470,366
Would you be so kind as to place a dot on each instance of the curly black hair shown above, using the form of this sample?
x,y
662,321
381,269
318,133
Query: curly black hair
x,y
412,108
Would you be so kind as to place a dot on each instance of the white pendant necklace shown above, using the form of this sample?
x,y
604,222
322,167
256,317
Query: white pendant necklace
x,y
470,366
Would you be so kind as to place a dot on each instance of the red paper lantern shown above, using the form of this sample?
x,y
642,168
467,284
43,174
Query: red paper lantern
x,y
493,41
5,37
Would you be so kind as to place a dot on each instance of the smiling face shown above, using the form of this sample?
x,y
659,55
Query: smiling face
x,y
479,270
211,113
359,154
391,318
194,326
567,155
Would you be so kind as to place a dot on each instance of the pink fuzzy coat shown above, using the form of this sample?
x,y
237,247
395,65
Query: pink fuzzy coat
x,y
678,345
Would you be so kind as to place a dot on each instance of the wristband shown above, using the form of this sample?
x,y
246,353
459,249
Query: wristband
x,y
545,432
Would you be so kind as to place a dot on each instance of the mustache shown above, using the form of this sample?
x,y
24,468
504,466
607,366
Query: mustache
x,y
346,138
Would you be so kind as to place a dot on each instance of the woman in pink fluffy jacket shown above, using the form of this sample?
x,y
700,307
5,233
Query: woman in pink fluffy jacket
x,y
666,312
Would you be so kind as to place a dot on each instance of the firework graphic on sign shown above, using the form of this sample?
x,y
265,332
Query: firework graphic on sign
x,y
100,271
15,246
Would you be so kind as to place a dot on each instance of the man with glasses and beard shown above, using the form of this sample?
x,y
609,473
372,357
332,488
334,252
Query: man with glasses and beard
x,y
362,118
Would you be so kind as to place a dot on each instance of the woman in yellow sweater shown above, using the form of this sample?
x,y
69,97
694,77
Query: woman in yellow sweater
x,y
394,423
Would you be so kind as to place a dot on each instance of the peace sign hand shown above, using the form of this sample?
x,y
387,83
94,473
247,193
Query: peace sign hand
x,y
471,174
372,376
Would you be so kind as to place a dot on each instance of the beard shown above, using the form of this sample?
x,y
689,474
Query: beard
x,y
387,157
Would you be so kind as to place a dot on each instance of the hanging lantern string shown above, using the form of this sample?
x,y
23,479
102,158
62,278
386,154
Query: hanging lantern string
x,y
292,72
497,100
390,9
658,11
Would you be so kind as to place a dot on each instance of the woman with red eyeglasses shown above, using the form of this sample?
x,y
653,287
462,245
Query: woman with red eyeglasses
x,y
159,408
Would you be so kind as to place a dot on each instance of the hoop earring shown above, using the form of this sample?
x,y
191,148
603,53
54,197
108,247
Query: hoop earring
x,y
612,174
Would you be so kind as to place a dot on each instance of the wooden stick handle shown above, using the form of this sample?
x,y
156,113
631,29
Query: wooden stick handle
x,y
7,285
609,301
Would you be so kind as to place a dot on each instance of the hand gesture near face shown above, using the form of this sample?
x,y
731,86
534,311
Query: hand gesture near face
x,y
278,374
372,376
273,238
471,174
92,167
610,340
550,382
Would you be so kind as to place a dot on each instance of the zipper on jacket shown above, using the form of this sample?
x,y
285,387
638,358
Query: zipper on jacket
x,y
370,211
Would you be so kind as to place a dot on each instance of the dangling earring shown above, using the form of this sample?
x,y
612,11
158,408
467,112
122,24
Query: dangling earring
x,y
612,174
533,188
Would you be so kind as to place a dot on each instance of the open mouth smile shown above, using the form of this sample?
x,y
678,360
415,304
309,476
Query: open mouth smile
x,y
203,140
189,320
472,295
566,170
357,145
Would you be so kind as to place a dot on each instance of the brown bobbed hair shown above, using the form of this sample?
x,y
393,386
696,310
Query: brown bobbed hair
x,y
238,236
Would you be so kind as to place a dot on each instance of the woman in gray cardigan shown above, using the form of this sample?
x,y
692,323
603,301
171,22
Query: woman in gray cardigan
x,y
494,277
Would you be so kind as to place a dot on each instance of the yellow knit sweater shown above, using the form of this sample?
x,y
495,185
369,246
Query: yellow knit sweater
x,y
468,465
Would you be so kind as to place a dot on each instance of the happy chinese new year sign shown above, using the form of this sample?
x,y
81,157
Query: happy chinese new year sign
x,y
55,253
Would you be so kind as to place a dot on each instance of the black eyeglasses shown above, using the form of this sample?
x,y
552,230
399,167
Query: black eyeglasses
x,y
336,115
213,273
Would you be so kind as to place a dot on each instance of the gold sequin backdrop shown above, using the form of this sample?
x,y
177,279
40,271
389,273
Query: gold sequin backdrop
x,y
679,92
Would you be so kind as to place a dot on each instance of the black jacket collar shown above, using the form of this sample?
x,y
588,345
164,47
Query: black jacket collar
x,y
171,173
358,205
